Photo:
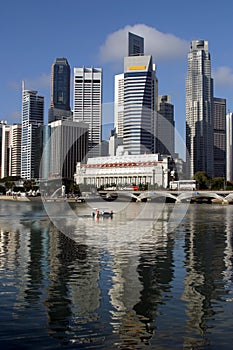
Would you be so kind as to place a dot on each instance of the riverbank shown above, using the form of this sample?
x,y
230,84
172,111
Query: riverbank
x,y
40,199
15,198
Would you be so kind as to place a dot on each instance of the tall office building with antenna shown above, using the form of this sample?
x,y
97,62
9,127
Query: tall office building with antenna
x,y
32,118
199,110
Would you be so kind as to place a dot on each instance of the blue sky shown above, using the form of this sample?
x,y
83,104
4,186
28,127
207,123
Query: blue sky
x,y
94,33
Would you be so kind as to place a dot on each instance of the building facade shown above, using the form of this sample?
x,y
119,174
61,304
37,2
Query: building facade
x,y
32,118
119,104
135,45
60,91
5,154
68,145
2,123
11,150
219,137
229,146
165,126
42,137
88,105
124,170
136,100
140,102
15,149
199,110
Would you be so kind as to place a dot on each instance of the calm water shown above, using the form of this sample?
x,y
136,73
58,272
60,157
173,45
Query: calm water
x,y
156,276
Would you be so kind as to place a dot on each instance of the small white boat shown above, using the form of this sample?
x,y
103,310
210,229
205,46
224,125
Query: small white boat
x,y
102,212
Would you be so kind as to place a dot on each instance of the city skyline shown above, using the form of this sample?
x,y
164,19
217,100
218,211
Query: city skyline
x,y
165,28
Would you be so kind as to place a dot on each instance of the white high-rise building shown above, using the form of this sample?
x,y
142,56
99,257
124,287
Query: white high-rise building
x,y
15,149
136,100
32,118
11,150
119,104
5,161
2,123
88,104
140,102
229,146
199,110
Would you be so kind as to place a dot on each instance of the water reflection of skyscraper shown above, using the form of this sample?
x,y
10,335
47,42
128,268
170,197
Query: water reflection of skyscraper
x,y
228,253
73,291
139,282
204,238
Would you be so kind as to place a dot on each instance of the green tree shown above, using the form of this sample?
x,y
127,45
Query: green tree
x,y
202,179
74,188
218,183
9,185
229,186
29,184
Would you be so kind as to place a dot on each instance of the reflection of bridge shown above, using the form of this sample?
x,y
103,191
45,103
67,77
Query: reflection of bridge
x,y
224,197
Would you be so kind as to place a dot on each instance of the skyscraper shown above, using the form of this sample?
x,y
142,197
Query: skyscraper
x,y
11,150
2,123
199,110
165,126
5,148
88,105
119,104
15,142
60,90
135,45
32,117
68,145
229,146
136,95
219,137
139,105
42,136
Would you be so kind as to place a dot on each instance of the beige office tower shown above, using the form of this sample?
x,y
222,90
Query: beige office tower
x,y
87,105
11,150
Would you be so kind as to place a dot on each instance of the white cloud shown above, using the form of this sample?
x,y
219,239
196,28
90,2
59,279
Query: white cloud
x,y
37,83
223,76
161,46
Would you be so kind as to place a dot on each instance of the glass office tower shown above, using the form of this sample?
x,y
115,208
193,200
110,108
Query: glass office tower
x,y
60,90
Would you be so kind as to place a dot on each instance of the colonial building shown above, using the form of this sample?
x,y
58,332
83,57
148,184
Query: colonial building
x,y
124,170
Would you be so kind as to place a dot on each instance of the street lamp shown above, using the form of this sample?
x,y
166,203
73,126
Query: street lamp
x,y
153,178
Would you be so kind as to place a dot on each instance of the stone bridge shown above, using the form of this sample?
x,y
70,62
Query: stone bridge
x,y
224,197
